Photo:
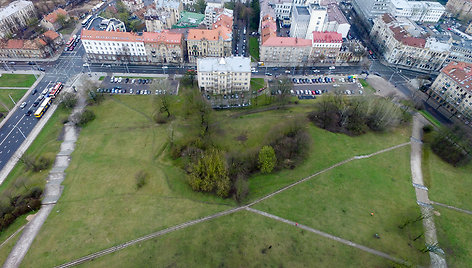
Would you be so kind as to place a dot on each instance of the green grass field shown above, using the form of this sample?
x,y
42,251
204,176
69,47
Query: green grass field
x,y
454,236
340,201
430,118
254,48
447,184
240,240
257,83
101,207
17,80
7,247
366,85
16,94
100,182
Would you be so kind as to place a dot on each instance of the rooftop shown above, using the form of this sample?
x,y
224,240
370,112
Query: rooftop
x,y
277,41
212,35
162,37
51,34
302,10
13,7
110,36
327,37
335,14
461,72
229,64
52,17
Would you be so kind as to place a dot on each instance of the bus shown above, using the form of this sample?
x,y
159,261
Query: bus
x,y
55,90
86,20
70,42
43,107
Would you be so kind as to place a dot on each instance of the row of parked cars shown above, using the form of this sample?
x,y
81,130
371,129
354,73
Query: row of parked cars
x,y
313,80
119,90
308,92
130,80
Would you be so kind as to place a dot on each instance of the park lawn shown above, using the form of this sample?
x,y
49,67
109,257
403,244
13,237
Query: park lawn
x,y
240,240
46,144
101,206
447,184
366,85
340,201
5,234
430,118
327,148
16,94
257,83
254,48
454,236
17,80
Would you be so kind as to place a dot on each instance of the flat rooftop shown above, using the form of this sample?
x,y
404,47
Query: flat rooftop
x,y
229,64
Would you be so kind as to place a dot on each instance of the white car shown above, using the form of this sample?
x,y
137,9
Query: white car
x,y
23,105
119,79
130,91
316,71
332,68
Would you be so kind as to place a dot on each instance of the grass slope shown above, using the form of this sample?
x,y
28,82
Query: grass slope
x,y
454,236
240,240
100,206
447,184
17,80
340,201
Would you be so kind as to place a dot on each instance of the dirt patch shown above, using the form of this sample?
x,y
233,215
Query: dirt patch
x,y
383,87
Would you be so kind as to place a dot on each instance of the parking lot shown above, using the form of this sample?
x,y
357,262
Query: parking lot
x,y
137,85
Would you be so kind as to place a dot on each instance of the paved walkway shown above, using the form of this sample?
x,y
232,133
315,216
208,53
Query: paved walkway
x,y
52,192
223,213
451,207
332,237
437,260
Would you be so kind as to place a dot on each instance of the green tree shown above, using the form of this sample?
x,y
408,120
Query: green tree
x,y
256,10
267,159
210,174
200,6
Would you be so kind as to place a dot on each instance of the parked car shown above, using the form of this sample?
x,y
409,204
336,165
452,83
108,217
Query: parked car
x,y
332,68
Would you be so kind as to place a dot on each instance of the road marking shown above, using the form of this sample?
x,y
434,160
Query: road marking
x,y
12,130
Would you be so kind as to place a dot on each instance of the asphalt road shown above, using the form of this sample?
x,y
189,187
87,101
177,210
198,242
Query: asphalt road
x,y
18,126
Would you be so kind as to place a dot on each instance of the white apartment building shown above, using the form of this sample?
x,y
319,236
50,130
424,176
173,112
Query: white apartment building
x,y
402,42
424,11
306,20
282,8
453,88
224,75
15,16
163,15
335,19
113,46
213,11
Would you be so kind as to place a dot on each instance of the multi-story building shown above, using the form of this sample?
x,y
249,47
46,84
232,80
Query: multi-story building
x,y
224,75
282,8
453,88
164,47
18,48
402,42
51,21
110,25
335,19
15,17
208,43
351,51
424,11
326,46
469,28
285,51
162,15
113,46
460,8
133,5
213,11
306,20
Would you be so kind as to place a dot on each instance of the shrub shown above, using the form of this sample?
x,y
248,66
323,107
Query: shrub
x,y
42,163
141,178
427,129
241,189
68,100
85,117
210,174
267,159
